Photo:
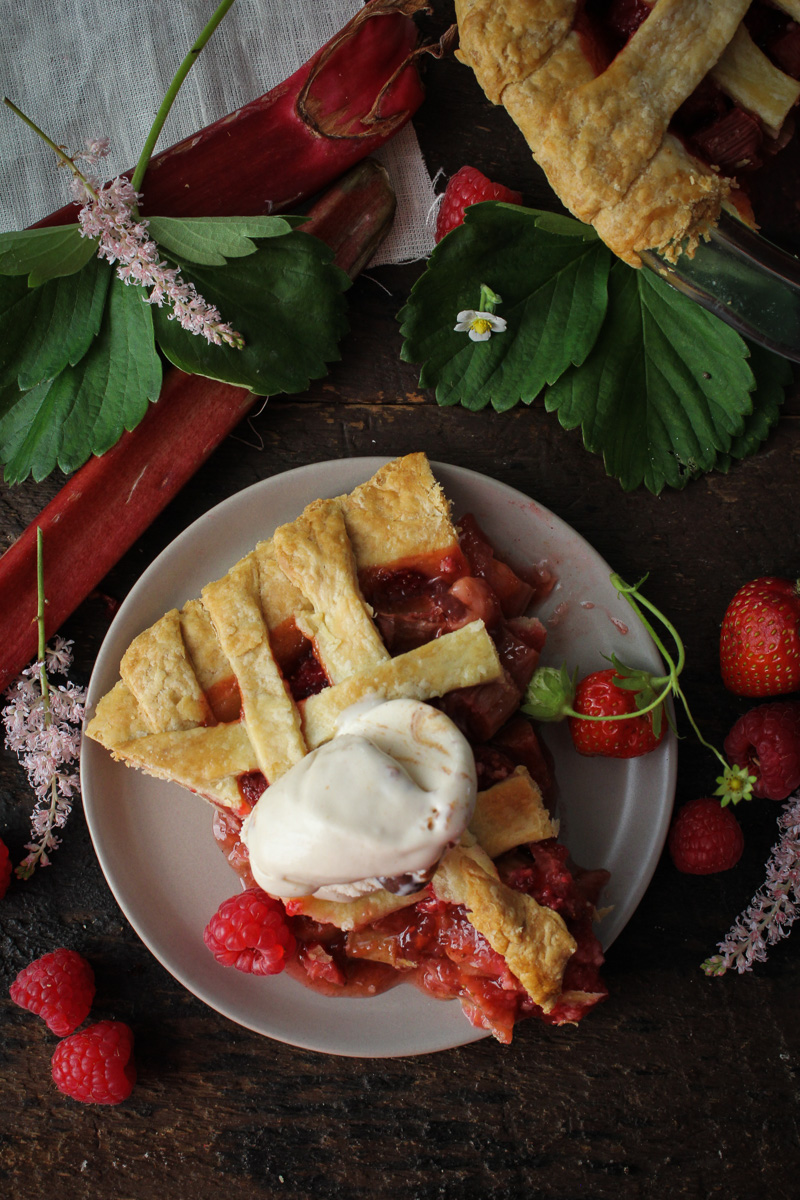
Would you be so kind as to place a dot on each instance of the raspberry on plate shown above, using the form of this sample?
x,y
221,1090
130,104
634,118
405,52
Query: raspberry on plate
x,y
705,838
58,987
766,740
468,186
5,868
96,1065
250,932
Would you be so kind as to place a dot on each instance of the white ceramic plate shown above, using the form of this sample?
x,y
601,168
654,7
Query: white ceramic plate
x,y
155,843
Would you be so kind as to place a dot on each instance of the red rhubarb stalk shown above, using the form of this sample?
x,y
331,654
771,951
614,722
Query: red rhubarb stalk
x,y
107,504
353,95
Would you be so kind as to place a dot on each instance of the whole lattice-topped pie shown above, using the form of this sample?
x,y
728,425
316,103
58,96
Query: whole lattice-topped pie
x,y
645,115
369,604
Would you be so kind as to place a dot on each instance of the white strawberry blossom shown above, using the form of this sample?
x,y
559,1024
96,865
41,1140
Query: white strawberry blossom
x,y
45,734
479,325
775,906
482,322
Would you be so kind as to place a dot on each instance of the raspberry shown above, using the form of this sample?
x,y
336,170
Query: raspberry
x,y
5,868
95,1066
468,186
59,988
250,932
766,740
705,838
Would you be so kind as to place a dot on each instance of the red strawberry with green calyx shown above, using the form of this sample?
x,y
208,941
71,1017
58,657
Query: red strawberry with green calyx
x,y
619,712
760,638
605,694
591,706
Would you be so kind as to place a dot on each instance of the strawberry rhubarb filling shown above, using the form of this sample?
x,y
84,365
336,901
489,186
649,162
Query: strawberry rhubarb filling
x,y
403,931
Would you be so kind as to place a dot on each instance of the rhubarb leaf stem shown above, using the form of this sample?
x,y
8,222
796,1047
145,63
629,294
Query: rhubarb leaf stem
x,y
41,602
172,91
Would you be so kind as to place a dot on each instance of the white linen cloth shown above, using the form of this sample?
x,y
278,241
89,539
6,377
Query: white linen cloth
x,y
94,68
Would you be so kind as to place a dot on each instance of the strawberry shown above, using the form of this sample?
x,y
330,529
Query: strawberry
x,y
705,838
766,740
601,695
468,186
760,639
620,712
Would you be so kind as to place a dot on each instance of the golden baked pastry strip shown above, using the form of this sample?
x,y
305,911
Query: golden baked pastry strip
x,y
314,552
462,658
533,940
399,512
268,711
157,671
511,813
754,82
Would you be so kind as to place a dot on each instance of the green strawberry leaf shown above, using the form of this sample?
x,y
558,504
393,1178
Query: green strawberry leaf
x,y
773,374
666,389
44,254
45,329
551,274
287,302
86,408
212,240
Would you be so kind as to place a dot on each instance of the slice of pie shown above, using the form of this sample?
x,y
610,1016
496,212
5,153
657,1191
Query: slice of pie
x,y
646,117
376,596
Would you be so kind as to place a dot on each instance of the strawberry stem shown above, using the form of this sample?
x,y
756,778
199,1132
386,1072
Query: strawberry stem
x,y
629,591
735,783
551,691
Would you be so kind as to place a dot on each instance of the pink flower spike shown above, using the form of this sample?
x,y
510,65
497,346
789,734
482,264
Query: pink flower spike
x,y
773,909
109,216
47,743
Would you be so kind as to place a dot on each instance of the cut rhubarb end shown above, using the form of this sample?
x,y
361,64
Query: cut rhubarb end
x,y
286,146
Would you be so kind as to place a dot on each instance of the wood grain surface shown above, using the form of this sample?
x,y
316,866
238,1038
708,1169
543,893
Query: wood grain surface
x,y
678,1086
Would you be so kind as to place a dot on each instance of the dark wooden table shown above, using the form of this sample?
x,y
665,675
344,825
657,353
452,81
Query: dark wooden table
x,y
679,1085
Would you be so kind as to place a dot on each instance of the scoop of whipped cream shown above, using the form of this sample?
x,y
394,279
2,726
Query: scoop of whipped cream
x,y
378,803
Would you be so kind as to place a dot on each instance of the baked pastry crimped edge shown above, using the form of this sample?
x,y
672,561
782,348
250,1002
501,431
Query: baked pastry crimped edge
x,y
603,141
